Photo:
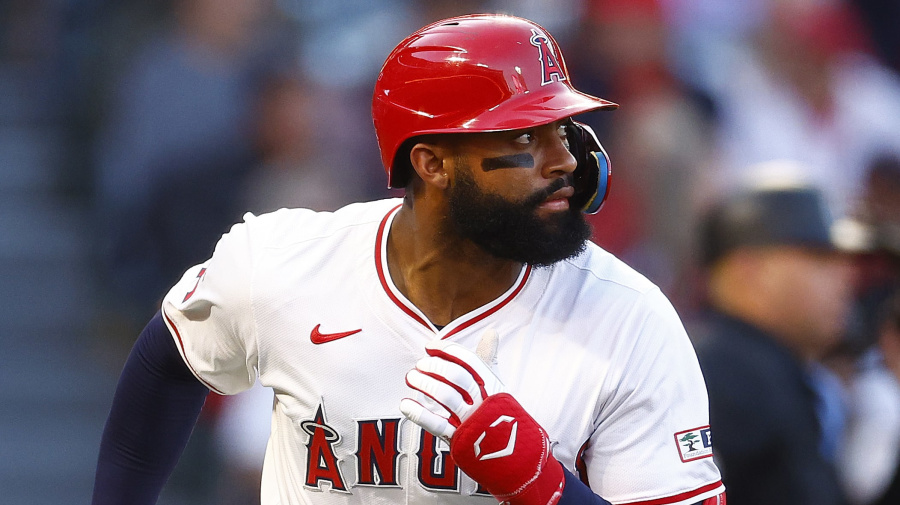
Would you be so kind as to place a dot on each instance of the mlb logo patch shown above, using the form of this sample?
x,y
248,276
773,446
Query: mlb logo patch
x,y
694,444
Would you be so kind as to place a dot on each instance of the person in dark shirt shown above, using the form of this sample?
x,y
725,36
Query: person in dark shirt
x,y
780,292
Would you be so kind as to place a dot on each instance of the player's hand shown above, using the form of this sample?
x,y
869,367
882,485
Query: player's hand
x,y
492,438
453,382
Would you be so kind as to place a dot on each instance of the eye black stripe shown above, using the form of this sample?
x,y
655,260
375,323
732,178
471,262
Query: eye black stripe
x,y
523,160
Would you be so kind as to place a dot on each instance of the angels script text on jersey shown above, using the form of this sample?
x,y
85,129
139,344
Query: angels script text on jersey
x,y
377,457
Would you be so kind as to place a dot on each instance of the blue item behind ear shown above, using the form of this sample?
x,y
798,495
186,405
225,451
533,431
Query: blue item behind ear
x,y
603,172
592,172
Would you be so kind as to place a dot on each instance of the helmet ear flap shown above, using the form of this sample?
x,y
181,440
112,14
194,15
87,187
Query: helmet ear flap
x,y
592,172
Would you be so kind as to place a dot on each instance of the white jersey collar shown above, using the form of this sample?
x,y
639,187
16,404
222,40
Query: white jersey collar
x,y
412,311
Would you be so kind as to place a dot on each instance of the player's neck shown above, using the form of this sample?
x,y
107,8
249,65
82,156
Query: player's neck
x,y
444,276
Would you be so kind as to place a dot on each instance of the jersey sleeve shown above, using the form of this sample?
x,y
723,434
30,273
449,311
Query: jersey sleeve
x,y
653,444
209,314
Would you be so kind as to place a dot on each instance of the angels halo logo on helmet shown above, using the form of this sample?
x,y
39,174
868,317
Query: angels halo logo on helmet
x,y
475,73
549,66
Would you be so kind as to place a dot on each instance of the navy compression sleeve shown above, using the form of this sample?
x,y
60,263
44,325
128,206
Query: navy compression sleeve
x,y
154,410
577,493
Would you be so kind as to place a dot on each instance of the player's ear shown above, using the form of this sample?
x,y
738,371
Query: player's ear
x,y
427,160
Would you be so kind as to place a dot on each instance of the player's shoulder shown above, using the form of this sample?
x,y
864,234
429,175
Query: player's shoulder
x,y
596,277
288,226
596,268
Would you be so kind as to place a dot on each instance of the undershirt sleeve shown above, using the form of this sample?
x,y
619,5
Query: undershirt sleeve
x,y
576,493
155,407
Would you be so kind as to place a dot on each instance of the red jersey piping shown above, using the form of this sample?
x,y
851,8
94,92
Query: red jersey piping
x,y
174,328
687,495
381,268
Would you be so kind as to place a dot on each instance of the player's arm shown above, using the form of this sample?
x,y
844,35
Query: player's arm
x,y
492,438
154,409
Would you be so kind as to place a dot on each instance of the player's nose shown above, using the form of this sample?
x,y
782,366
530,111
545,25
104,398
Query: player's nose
x,y
557,159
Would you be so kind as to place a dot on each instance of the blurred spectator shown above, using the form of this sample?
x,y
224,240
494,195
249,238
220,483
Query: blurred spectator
x,y
341,45
882,18
889,335
292,169
880,202
870,455
808,89
880,269
780,291
889,342
657,140
707,35
870,452
871,459
175,138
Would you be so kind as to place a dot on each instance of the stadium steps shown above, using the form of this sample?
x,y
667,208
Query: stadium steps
x,y
53,397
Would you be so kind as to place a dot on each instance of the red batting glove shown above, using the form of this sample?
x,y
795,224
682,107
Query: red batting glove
x,y
492,438
505,450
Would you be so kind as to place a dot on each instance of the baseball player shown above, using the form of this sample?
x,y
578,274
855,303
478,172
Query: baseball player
x,y
463,344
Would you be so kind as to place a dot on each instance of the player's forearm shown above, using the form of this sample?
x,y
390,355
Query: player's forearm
x,y
154,410
577,493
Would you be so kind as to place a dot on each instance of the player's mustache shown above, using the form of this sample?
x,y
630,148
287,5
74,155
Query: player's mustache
x,y
540,196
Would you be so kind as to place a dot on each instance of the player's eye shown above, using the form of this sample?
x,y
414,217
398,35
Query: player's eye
x,y
563,134
525,138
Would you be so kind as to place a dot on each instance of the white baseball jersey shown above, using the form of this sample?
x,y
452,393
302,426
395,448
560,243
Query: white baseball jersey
x,y
590,348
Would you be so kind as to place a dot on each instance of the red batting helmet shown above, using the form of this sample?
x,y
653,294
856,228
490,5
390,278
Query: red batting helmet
x,y
476,73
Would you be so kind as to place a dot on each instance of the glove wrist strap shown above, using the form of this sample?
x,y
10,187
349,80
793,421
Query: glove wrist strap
x,y
505,450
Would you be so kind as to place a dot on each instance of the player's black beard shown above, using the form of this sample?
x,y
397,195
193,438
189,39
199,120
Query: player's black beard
x,y
514,230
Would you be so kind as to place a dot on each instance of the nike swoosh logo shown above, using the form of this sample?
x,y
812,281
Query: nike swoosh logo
x,y
317,337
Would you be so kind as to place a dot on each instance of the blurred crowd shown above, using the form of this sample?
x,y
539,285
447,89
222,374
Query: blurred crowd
x,y
181,115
